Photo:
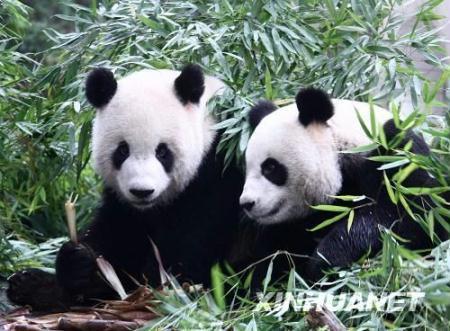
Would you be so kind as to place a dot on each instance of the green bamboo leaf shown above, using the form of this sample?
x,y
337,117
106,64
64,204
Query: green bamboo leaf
x,y
404,173
268,84
329,221
218,286
351,216
406,206
373,121
389,189
394,164
331,208
354,198
391,67
266,42
363,124
386,158
268,276
424,190
382,137
395,110
350,28
443,79
361,149
248,279
430,223
149,22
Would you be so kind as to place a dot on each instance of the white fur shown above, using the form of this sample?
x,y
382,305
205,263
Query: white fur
x,y
310,155
145,112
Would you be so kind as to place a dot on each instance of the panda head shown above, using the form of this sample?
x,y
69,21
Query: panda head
x,y
151,130
291,161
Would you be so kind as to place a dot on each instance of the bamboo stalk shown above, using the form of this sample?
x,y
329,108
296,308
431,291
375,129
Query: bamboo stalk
x,y
71,218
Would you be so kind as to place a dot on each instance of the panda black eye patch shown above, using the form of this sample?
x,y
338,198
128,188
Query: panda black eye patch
x,y
165,156
121,153
274,171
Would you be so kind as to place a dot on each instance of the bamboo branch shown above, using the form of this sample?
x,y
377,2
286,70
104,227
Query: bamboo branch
x,y
324,317
96,325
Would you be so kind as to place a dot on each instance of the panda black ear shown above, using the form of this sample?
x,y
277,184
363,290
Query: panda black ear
x,y
260,110
314,105
190,84
100,87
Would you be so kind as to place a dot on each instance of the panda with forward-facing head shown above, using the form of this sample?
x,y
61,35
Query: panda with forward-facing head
x,y
154,146
294,161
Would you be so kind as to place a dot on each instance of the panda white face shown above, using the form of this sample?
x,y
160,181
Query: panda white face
x,y
150,136
288,168
292,157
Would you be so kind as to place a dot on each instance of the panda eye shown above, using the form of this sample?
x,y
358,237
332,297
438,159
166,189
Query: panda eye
x,y
274,171
165,156
120,154
268,167
162,151
123,148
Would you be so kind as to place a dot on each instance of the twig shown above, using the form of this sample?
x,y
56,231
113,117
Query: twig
x,y
96,325
324,317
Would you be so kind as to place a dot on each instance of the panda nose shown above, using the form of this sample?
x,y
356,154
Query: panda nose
x,y
248,205
141,194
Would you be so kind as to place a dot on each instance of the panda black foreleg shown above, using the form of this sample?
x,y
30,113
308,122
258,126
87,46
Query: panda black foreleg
x,y
38,289
340,247
75,282
78,274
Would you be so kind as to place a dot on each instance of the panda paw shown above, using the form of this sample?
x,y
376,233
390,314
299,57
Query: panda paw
x,y
36,288
75,268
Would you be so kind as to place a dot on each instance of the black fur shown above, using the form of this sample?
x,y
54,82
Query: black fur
x,y
192,233
38,288
121,153
314,105
100,87
274,171
165,156
190,84
260,110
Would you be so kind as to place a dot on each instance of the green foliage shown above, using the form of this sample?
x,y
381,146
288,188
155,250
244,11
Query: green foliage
x,y
396,270
41,129
15,254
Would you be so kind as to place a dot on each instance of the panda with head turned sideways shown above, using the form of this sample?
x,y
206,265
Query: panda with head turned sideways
x,y
294,161
154,146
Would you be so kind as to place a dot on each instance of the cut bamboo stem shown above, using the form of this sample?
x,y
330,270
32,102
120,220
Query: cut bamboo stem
x,y
71,218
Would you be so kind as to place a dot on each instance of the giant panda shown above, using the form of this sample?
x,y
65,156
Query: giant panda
x,y
154,146
294,160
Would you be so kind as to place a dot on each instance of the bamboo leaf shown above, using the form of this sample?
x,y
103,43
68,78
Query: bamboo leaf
x,y
389,189
217,283
331,208
361,149
351,217
330,221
